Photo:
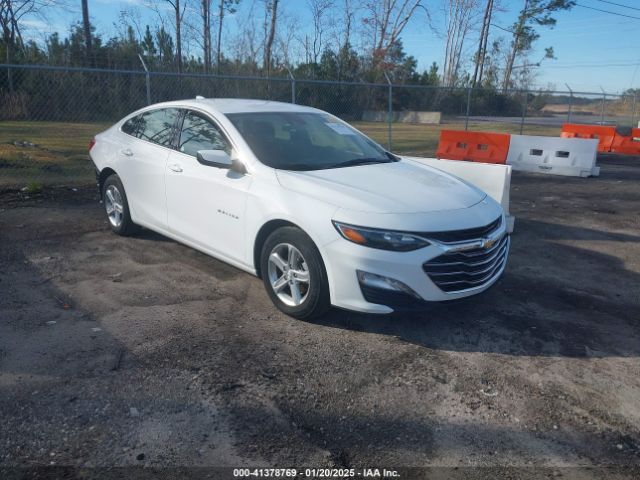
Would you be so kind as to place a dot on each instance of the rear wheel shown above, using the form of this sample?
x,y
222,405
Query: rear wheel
x,y
293,274
116,206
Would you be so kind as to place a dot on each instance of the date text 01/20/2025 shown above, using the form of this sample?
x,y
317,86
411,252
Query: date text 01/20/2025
x,y
315,473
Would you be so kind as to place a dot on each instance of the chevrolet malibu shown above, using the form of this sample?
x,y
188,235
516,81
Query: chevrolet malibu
x,y
320,212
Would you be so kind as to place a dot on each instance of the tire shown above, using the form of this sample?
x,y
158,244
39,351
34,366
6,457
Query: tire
x,y
116,206
297,259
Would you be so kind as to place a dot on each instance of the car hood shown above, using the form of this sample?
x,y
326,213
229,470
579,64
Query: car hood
x,y
397,187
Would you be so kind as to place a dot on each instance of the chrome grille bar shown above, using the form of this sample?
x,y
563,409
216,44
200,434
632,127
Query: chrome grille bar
x,y
463,270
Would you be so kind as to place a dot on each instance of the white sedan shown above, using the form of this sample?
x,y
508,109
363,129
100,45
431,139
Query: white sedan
x,y
323,214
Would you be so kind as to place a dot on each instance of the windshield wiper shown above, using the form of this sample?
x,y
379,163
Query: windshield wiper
x,y
361,161
301,167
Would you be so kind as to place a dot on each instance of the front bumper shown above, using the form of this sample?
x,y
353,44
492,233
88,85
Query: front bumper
x,y
345,258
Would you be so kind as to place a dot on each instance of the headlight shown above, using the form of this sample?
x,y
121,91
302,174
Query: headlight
x,y
381,239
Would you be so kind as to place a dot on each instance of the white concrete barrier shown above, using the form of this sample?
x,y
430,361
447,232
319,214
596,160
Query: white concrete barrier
x,y
411,116
491,178
408,116
575,157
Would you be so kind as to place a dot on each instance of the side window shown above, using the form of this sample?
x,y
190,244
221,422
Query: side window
x,y
198,133
157,126
129,127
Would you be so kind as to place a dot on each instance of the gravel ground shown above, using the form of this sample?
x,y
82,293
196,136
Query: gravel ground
x,y
140,351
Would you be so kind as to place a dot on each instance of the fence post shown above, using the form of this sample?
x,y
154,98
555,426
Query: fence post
x,y
524,111
293,85
10,79
466,118
633,111
147,79
604,96
390,109
293,91
570,103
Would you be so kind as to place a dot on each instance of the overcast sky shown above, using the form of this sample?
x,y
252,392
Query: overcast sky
x,y
593,49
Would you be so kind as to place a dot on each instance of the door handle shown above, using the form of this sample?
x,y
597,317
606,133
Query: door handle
x,y
175,167
127,152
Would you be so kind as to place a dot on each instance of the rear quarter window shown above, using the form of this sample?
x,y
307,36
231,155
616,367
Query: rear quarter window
x,y
129,127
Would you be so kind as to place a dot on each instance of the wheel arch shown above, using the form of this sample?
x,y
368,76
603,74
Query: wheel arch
x,y
262,235
103,175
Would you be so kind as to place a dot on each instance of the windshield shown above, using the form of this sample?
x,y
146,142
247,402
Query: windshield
x,y
306,141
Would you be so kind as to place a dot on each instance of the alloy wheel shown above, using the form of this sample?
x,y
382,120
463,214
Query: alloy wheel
x,y
114,205
288,274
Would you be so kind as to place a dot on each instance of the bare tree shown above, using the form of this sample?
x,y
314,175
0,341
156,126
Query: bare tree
x,y
493,62
459,16
534,12
386,20
247,46
205,11
319,10
179,14
86,26
286,39
348,16
481,54
11,13
224,6
271,18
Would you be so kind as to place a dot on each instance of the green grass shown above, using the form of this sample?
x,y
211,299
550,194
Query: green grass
x,y
46,153
33,187
422,140
55,153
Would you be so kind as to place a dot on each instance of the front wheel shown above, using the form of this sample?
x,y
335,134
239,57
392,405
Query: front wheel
x,y
293,274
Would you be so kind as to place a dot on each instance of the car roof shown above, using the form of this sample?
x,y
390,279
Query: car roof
x,y
237,105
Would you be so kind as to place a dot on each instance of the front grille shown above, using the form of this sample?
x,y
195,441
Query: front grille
x,y
463,235
456,271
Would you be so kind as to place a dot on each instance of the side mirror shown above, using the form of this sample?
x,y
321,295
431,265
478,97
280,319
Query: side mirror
x,y
214,158
220,159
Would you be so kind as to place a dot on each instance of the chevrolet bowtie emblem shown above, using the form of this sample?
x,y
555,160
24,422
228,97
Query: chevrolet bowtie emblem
x,y
488,243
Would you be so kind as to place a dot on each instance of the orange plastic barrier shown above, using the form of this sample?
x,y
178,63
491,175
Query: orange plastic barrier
x,y
473,146
605,135
627,145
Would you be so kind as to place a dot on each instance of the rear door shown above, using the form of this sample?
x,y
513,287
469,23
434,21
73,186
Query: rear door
x,y
206,204
143,157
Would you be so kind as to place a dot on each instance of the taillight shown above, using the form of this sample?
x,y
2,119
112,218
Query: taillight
x,y
92,143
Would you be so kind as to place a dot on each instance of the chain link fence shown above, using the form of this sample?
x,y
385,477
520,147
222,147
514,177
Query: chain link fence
x,y
49,114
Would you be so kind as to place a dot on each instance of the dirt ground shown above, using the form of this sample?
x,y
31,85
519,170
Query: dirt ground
x,y
140,351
